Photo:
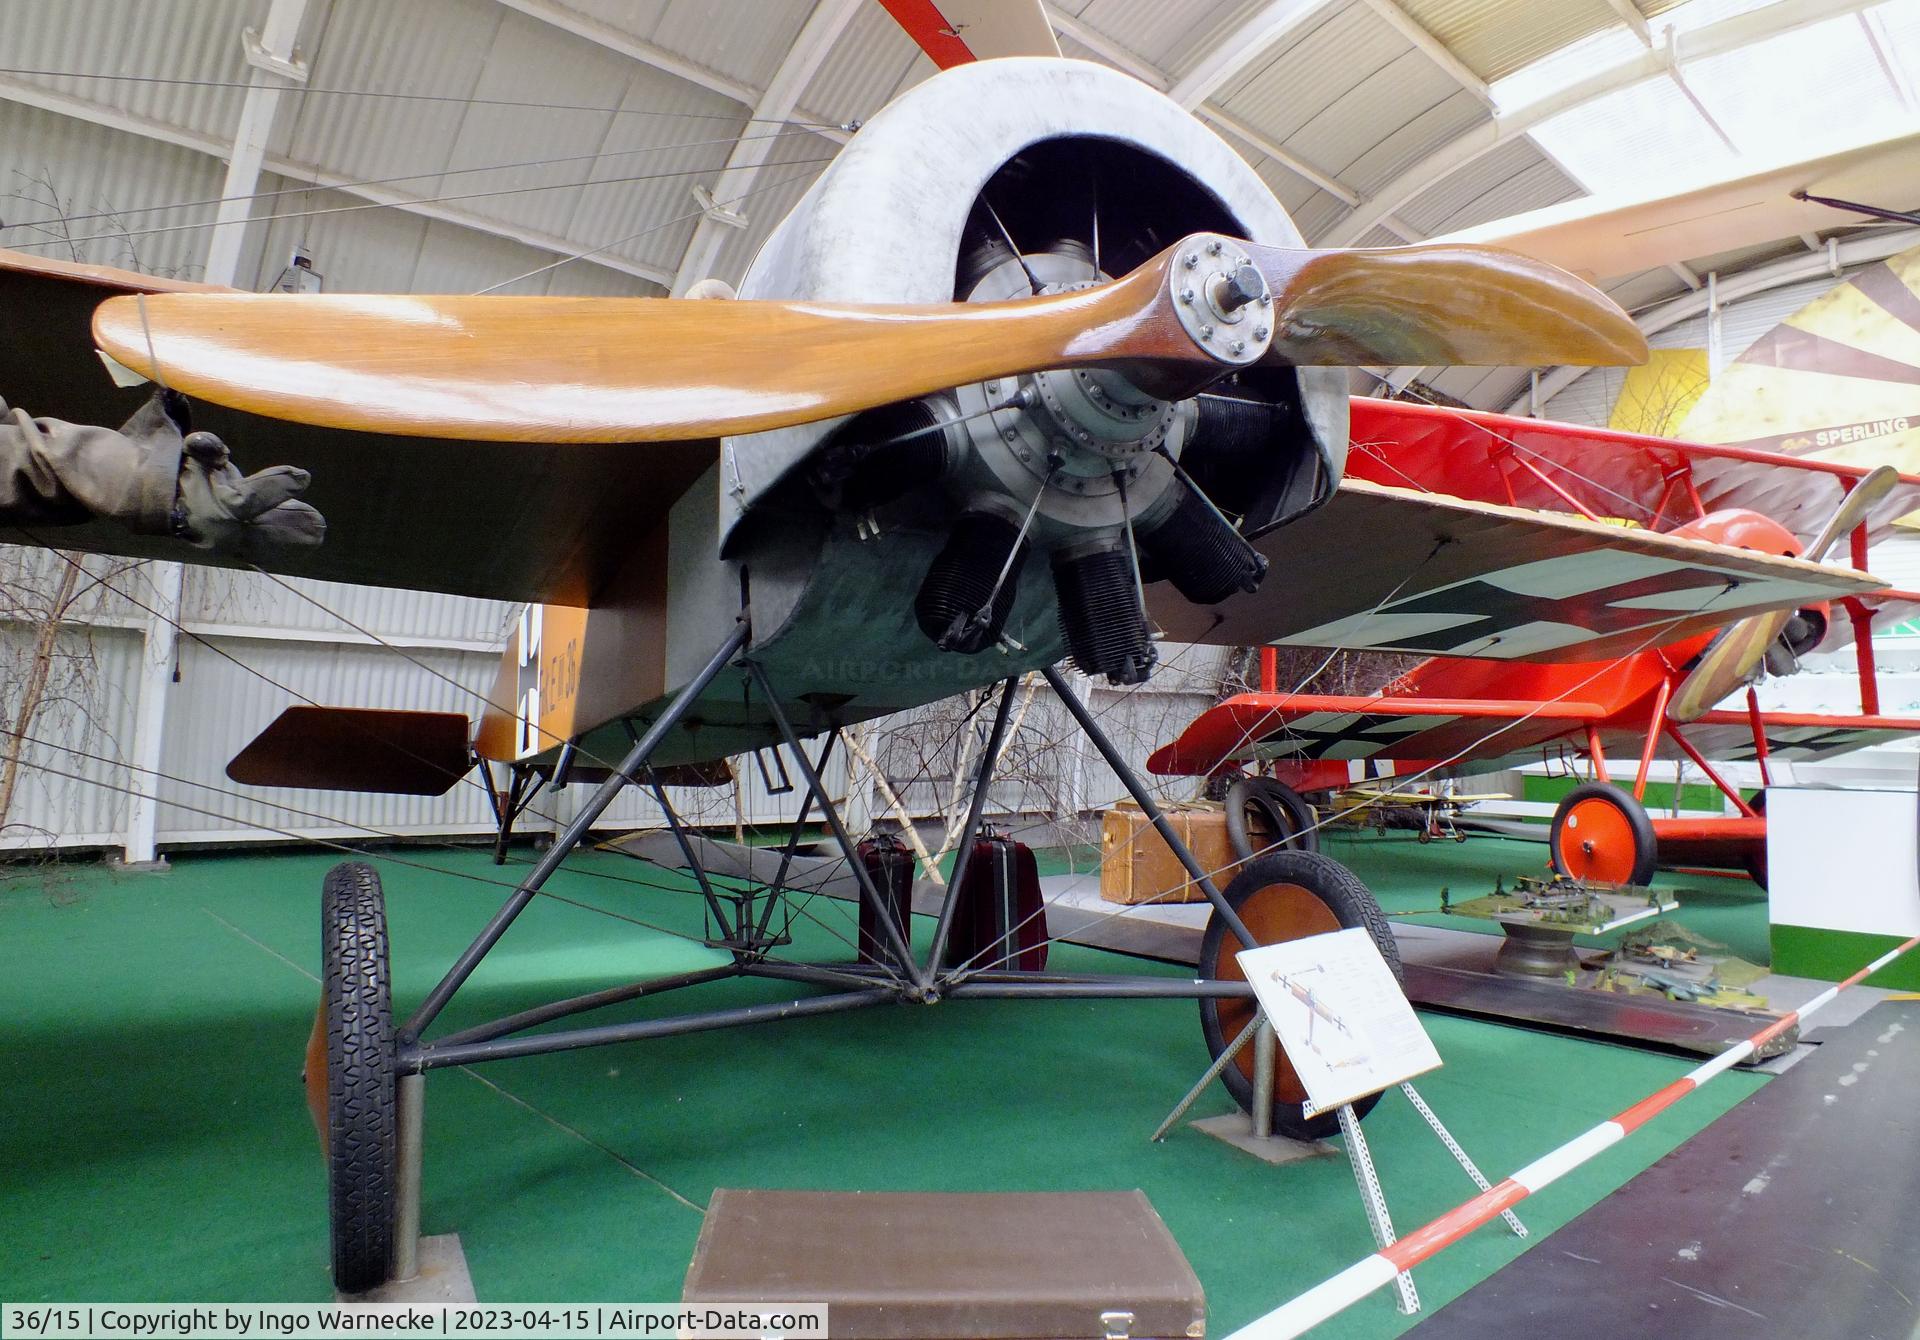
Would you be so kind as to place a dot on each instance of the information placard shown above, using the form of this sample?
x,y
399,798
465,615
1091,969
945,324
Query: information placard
x,y
1340,1015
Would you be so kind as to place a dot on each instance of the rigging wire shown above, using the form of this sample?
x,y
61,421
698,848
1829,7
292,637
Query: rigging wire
x,y
305,90
123,234
309,188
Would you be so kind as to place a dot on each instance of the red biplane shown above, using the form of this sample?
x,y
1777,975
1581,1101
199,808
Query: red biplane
x,y
1477,705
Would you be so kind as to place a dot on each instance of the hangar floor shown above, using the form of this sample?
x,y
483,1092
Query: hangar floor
x,y
154,1144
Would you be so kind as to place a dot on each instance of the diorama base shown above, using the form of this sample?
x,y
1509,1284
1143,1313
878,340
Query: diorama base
x,y
443,1278
1236,1128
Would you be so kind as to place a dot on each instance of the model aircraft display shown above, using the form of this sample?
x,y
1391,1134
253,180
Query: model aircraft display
x,y
1456,716
1036,367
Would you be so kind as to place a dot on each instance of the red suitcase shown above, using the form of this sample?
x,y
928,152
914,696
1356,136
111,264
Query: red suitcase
x,y
999,921
890,866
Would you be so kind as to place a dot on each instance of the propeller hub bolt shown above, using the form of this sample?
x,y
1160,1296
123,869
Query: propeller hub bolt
x,y
1236,290
1261,332
1215,247
1238,346
1186,295
1191,260
1206,332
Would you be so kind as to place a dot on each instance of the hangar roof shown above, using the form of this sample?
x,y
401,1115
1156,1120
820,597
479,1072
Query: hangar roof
x,y
454,145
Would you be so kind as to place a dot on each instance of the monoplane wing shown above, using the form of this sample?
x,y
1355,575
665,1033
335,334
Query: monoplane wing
x,y
1601,237
1308,726
512,521
1386,569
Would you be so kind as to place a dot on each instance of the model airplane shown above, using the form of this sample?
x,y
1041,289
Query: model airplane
x,y
964,419
1451,716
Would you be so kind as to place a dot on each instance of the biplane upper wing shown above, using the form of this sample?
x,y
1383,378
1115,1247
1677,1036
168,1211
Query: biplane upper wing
x,y
1307,726
1386,569
1652,482
513,521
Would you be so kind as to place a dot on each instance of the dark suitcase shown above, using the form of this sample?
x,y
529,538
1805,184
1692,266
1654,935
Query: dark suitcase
x,y
889,865
999,921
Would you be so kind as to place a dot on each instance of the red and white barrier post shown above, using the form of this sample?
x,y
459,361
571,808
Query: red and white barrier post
x,y
1363,1277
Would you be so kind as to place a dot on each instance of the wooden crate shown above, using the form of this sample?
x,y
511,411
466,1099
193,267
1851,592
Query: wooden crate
x,y
1137,865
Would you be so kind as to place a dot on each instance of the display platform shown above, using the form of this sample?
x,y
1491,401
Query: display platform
x,y
1790,1215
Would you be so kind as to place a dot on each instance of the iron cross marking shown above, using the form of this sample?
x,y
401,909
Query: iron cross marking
x,y
1314,742
1504,611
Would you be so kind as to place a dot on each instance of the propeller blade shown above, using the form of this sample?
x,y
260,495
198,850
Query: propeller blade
x,y
540,369
1442,305
1731,658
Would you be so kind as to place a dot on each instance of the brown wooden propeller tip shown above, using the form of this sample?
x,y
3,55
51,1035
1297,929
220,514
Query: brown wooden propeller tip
x,y
556,369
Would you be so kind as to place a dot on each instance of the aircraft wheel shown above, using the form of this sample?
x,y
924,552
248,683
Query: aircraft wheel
x,y
1283,895
1601,833
361,1137
1263,814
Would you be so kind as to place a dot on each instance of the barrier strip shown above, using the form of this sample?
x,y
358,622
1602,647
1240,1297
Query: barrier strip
x,y
1363,1277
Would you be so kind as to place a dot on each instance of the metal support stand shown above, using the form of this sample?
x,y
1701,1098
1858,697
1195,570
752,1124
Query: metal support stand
x,y
410,1097
1359,1154
1460,1155
1374,1200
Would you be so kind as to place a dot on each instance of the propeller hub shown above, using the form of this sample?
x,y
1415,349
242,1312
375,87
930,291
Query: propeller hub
x,y
1222,300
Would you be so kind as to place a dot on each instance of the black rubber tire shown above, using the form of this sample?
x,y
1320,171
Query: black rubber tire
x,y
1352,904
1285,810
363,1142
1645,844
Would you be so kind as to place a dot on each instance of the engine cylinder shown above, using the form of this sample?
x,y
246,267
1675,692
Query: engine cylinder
x,y
1206,559
1100,613
956,606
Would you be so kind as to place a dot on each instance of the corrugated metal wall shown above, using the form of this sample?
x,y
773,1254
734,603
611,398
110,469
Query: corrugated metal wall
x,y
256,645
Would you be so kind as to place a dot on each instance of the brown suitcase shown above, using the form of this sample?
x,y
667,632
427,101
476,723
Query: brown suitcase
x,y
952,1266
1137,865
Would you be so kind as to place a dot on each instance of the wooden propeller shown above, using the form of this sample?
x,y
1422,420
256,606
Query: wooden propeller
x,y
536,369
1731,658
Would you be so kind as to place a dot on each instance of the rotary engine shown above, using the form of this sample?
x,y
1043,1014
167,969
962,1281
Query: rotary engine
x,y
1081,468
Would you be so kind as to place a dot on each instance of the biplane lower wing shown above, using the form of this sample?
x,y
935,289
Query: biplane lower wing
x,y
1309,727
1402,571
510,521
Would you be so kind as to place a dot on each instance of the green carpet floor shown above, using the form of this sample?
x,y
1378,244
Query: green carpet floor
x,y
154,1144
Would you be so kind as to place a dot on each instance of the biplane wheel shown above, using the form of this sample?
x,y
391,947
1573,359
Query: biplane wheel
x,y
1283,895
1601,833
1264,815
362,1137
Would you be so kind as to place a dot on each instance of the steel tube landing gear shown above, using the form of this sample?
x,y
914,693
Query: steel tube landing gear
x,y
569,839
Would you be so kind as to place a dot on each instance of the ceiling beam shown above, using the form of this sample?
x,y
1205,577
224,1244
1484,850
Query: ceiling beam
x,y
1241,46
1433,48
1240,130
797,69
1782,16
1065,25
249,148
626,44
113,118
1631,16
